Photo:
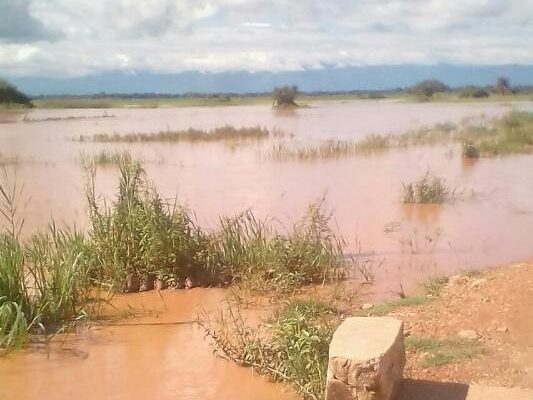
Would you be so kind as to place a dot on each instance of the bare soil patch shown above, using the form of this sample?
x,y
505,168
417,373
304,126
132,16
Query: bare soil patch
x,y
479,330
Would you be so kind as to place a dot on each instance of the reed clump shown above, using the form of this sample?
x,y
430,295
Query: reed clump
x,y
290,346
257,256
139,235
224,133
429,189
44,282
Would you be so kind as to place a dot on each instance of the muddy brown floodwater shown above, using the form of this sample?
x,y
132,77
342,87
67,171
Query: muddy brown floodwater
x,y
149,357
491,223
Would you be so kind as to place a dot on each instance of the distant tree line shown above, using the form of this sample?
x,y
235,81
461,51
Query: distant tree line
x,y
428,88
286,95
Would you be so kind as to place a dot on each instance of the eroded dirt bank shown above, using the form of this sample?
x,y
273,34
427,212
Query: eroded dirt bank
x,y
492,311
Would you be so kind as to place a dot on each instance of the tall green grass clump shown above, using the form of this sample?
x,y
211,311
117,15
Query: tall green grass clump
x,y
256,255
428,190
291,346
138,235
44,282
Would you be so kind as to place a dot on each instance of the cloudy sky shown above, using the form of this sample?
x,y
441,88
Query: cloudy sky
x,y
80,37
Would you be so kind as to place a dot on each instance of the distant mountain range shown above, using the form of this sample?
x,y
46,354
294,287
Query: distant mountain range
x,y
379,77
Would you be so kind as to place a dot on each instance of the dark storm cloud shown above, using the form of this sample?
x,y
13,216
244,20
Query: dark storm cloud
x,y
17,25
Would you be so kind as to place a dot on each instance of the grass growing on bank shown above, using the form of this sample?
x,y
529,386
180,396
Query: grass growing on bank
x,y
437,352
224,133
291,346
432,289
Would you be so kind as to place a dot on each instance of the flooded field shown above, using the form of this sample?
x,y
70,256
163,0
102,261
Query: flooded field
x,y
490,222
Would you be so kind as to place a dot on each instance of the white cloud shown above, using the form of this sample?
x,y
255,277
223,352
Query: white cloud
x,y
177,35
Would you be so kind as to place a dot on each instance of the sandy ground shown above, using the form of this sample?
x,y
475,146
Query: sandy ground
x,y
498,305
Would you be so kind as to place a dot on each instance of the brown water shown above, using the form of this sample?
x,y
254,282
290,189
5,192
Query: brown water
x,y
492,223
138,361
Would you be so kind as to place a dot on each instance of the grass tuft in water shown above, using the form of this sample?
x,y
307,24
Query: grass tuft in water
x,y
427,190
105,158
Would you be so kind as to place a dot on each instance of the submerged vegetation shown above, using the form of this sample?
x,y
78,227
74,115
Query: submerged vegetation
x,y
105,158
44,281
427,190
290,346
224,133
331,149
140,235
511,134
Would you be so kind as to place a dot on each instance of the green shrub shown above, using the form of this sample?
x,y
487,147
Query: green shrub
x,y
428,88
475,92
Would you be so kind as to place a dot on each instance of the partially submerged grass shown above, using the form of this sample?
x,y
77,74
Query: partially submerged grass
x,y
514,134
427,190
104,158
139,235
224,133
253,253
510,134
437,352
331,149
291,346
44,282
